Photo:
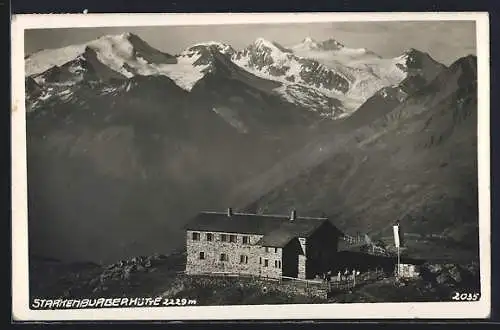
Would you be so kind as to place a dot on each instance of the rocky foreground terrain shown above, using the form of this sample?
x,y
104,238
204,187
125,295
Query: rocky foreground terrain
x,y
161,276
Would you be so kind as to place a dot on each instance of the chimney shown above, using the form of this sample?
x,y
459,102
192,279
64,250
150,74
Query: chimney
x,y
293,215
229,212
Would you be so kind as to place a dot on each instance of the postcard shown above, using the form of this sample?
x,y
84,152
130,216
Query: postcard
x,y
250,166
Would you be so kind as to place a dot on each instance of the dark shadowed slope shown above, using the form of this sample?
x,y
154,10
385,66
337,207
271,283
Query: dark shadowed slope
x,y
107,163
116,166
115,169
417,164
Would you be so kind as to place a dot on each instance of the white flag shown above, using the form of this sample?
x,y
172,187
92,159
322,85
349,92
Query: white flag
x,y
396,235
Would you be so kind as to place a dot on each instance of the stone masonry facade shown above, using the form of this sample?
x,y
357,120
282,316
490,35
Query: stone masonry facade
x,y
223,252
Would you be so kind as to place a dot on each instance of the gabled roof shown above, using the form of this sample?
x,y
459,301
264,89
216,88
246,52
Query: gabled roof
x,y
245,223
277,238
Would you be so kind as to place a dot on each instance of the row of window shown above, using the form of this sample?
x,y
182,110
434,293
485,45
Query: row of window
x,y
222,237
227,238
243,259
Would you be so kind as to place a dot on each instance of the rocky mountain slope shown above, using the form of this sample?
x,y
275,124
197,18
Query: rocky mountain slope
x,y
416,163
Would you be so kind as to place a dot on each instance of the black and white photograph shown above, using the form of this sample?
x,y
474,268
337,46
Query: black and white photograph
x,y
207,166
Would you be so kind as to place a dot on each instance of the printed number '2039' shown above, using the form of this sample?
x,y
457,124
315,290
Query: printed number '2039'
x,y
465,296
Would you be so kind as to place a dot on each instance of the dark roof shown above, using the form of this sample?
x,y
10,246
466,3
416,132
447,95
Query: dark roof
x,y
277,238
276,226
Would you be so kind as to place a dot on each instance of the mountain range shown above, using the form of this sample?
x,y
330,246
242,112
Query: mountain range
x,y
326,77
127,142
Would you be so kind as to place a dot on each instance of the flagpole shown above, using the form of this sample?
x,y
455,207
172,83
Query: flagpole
x,y
397,243
399,267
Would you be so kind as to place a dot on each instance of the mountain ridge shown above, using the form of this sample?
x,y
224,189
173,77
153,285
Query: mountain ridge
x,y
302,81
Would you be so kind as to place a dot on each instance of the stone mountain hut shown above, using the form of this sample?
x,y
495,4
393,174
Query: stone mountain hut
x,y
269,246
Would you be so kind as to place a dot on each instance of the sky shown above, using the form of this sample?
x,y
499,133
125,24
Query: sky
x,y
445,41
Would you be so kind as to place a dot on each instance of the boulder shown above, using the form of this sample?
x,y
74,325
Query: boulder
x,y
126,274
443,278
434,268
455,273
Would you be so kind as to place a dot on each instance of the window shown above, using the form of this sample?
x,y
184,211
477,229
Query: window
x,y
232,238
266,263
223,237
260,260
243,259
266,249
202,256
279,263
223,257
275,250
245,240
196,236
210,237
275,263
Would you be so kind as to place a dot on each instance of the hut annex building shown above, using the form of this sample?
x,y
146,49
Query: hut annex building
x,y
271,246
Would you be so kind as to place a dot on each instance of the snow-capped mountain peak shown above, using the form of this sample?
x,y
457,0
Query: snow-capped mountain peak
x,y
331,44
310,44
411,51
307,43
124,53
264,56
221,47
268,46
261,42
270,60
